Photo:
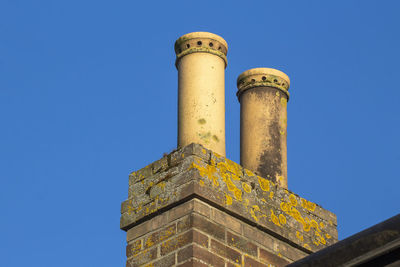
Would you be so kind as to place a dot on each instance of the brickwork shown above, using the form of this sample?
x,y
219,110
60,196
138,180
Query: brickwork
x,y
197,234
196,208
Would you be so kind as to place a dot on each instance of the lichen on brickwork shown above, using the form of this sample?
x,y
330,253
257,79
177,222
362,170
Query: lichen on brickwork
x,y
221,169
226,183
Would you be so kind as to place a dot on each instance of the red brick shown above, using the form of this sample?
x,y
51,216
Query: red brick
x,y
225,251
142,258
241,243
194,251
249,262
271,258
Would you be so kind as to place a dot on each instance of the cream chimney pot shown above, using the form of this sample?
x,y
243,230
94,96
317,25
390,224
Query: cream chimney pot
x,y
201,62
263,96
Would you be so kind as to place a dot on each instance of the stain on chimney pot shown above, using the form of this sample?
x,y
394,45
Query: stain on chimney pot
x,y
263,96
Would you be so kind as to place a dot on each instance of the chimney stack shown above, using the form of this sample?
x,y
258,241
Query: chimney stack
x,y
194,207
201,62
263,96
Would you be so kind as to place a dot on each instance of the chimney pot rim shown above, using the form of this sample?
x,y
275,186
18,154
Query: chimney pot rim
x,y
196,35
263,77
264,71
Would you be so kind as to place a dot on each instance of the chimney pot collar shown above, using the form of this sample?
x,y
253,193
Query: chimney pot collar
x,y
201,42
263,77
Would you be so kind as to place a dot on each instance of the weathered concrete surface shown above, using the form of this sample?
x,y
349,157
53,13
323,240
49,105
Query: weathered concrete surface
x,y
195,172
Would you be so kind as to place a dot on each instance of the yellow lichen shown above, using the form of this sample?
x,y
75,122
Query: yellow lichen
x,y
238,194
282,219
274,218
217,155
264,183
228,199
307,246
284,206
231,186
299,236
306,227
271,194
161,185
314,224
215,182
253,215
248,173
201,183
293,200
130,209
328,236
149,242
246,187
208,171
233,167
308,204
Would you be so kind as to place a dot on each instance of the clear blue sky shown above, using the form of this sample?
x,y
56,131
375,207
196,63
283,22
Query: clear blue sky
x,y
88,93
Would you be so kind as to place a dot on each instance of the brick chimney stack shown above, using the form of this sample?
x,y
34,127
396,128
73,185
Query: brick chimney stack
x,y
201,62
195,207
263,96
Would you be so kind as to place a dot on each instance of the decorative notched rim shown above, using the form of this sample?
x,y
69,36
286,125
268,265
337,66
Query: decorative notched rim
x,y
204,42
263,77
